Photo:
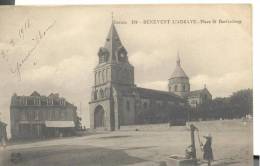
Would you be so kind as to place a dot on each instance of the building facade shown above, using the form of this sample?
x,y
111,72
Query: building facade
x,y
198,97
116,100
179,85
37,116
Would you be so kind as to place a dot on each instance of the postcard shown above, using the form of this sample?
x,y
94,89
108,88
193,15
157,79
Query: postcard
x,y
126,85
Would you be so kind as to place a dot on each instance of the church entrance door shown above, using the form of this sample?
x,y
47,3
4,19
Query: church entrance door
x,y
99,117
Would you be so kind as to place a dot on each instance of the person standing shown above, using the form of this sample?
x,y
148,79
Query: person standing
x,y
3,135
207,149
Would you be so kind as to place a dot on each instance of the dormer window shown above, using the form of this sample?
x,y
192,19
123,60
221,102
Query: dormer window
x,y
122,54
103,55
102,59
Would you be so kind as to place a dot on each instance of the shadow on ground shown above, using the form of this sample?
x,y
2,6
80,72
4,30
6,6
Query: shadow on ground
x,y
225,163
220,163
117,136
70,156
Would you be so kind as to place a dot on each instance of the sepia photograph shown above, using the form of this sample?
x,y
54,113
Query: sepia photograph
x,y
126,85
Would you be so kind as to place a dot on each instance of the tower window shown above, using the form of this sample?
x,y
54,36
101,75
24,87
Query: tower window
x,y
96,78
106,74
122,54
102,58
103,76
101,93
107,56
175,88
99,77
95,95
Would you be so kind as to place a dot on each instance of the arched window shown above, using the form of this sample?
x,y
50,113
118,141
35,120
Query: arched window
x,y
107,92
124,75
95,95
99,77
101,93
103,76
96,78
106,74
122,54
107,56
102,55
183,87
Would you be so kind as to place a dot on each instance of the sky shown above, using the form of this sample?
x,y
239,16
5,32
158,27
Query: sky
x,y
58,48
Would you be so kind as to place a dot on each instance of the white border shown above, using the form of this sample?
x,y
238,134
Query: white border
x,y
256,42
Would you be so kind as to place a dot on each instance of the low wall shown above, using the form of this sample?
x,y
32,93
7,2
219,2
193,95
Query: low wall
x,y
231,125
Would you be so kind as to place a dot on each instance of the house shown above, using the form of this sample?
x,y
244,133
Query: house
x,y
38,116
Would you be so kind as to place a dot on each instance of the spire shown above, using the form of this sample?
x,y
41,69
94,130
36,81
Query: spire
x,y
112,17
113,41
113,50
178,72
178,61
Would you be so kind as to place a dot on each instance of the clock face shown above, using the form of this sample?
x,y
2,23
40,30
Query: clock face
x,y
122,55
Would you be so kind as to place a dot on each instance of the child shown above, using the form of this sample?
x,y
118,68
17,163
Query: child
x,y
207,149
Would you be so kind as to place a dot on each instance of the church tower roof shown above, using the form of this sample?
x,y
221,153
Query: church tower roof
x,y
113,44
178,72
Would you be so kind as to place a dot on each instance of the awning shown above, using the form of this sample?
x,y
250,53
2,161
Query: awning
x,y
59,124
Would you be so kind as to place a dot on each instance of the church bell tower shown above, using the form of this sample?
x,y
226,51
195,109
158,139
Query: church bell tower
x,y
113,75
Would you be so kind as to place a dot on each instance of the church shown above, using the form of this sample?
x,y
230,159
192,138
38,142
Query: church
x,y
116,100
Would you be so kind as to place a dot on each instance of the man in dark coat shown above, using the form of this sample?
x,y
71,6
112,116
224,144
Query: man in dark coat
x,y
207,149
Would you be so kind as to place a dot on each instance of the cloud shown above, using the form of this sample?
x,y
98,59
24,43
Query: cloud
x,y
71,77
218,55
219,86
147,60
159,85
75,68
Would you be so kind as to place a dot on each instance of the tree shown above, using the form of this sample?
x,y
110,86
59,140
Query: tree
x,y
238,105
242,102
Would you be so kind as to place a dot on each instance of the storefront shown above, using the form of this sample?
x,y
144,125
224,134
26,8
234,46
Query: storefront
x,y
59,128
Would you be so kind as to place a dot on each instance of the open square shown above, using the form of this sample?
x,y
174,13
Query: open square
x,y
150,145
